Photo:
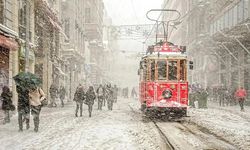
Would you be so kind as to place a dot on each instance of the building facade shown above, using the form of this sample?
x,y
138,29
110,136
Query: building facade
x,y
217,35
73,44
47,30
94,14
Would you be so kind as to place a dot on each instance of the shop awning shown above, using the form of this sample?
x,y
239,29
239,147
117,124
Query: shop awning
x,y
8,43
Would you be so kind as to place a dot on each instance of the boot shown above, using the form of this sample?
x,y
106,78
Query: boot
x,y
20,130
76,115
27,123
36,123
36,129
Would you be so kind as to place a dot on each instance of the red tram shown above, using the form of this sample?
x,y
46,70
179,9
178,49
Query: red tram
x,y
163,80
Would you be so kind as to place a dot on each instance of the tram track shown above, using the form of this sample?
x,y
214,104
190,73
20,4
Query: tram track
x,y
183,134
168,144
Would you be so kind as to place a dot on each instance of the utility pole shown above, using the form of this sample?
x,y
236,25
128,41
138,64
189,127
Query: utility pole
x,y
27,8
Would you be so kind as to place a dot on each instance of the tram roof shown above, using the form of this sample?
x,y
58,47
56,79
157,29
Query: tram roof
x,y
169,55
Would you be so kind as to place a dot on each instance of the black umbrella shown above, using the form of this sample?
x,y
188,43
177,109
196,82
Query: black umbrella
x,y
27,80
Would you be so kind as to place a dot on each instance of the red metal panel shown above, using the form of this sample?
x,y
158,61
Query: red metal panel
x,y
152,93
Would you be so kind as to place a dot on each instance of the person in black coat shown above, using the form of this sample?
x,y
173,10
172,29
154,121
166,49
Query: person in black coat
x,y
53,90
90,98
110,99
7,103
79,97
62,95
23,107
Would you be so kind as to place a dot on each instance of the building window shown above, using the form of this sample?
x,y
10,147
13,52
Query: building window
x,y
235,15
88,17
230,14
240,11
23,19
246,5
6,15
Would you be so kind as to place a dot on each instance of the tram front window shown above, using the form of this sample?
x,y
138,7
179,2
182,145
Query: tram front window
x,y
162,68
172,70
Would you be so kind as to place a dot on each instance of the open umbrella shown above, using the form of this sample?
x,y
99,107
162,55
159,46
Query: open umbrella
x,y
27,80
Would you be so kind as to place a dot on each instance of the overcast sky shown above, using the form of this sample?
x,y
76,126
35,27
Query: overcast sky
x,y
130,11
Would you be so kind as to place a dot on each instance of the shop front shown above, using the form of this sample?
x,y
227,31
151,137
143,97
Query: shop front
x,y
7,46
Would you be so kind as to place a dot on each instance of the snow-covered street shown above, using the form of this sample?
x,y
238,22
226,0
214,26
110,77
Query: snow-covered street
x,y
126,128
60,129
228,123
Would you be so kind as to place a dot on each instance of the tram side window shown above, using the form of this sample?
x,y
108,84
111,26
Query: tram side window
x,y
152,70
172,70
162,68
183,70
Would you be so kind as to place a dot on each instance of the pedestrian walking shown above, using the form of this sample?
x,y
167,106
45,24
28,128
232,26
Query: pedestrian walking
x,y
115,89
133,93
90,98
100,95
37,99
7,105
110,98
240,95
79,97
105,94
23,107
53,90
62,93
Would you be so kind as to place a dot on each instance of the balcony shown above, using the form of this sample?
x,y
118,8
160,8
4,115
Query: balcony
x,y
93,31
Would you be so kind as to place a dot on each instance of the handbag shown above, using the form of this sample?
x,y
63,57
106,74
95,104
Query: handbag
x,y
43,100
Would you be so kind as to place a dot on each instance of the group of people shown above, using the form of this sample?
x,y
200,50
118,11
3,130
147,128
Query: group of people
x,y
228,96
103,94
56,93
222,95
29,100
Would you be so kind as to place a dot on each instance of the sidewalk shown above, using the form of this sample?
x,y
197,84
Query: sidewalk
x,y
226,122
232,109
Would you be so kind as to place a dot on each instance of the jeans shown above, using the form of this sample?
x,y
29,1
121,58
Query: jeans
x,y
100,101
90,107
6,116
23,116
241,102
35,111
78,105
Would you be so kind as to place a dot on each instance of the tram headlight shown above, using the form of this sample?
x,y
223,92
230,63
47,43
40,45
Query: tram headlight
x,y
167,94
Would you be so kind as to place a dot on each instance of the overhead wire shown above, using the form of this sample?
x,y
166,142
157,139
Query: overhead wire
x,y
133,7
156,22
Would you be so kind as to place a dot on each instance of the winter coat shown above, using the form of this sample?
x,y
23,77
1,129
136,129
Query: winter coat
x,y
53,91
79,95
241,93
110,94
23,99
90,97
100,91
36,97
7,102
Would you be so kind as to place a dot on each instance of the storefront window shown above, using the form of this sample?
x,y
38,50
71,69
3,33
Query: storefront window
x,y
162,69
172,70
